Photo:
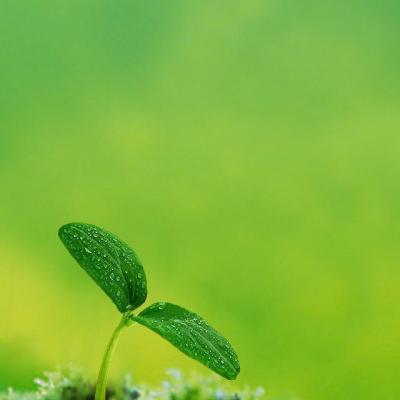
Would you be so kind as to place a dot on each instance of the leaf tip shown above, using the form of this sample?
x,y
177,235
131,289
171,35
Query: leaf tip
x,y
234,373
64,229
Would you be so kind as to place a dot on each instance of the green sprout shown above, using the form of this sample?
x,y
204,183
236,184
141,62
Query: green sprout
x,y
116,268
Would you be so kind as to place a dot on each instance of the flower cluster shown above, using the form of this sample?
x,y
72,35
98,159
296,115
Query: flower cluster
x,y
194,387
69,384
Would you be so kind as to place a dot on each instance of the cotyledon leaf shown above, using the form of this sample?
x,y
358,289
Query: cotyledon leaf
x,y
192,335
111,263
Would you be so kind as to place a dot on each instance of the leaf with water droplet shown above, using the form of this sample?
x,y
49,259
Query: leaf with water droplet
x,y
192,335
110,262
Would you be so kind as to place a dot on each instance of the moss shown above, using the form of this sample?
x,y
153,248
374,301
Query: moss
x,y
69,384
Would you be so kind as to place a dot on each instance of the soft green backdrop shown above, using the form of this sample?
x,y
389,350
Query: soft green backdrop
x,y
248,150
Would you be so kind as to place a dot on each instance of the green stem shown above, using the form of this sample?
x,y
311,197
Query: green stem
x,y
103,373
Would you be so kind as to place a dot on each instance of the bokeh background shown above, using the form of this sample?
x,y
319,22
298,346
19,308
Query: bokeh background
x,y
247,150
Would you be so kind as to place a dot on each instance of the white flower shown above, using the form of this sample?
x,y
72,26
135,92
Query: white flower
x,y
175,373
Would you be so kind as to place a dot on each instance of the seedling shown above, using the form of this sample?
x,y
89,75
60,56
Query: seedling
x,y
116,268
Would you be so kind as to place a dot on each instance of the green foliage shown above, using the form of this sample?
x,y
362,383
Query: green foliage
x,y
117,270
192,335
69,384
63,384
109,261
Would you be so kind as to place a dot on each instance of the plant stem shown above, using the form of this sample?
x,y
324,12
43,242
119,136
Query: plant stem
x,y
103,372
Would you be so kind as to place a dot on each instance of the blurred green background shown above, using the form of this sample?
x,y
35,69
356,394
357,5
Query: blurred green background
x,y
248,151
